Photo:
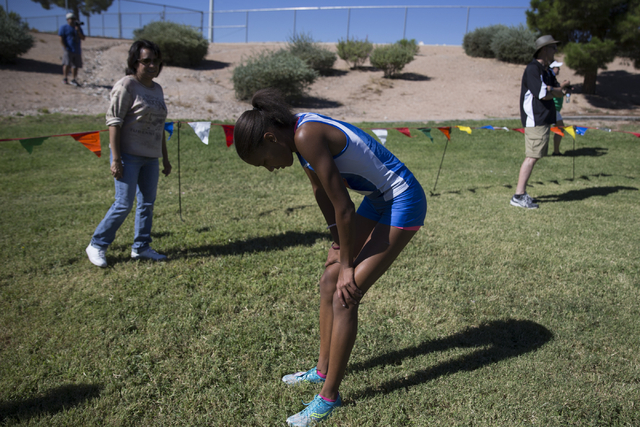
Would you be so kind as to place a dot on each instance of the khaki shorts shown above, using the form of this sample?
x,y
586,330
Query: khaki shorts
x,y
536,141
72,59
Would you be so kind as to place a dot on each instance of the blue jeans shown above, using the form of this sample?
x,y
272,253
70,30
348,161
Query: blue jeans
x,y
140,178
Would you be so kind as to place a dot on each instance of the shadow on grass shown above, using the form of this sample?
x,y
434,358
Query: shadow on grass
x,y
586,152
495,341
256,244
55,400
531,184
576,195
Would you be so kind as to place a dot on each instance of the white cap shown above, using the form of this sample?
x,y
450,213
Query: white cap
x,y
555,64
70,15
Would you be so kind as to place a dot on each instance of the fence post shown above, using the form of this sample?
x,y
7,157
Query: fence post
x,y
294,22
404,29
466,28
348,22
102,24
119,21
202,24
89,25
164,12
246,29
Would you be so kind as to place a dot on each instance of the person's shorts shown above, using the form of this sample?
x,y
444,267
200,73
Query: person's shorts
x,y
536,141
405,211
73,59
558,117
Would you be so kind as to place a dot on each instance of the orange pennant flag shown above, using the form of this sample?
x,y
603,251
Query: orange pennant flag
x,y
557,131
446,131
91,140
404,131
228,134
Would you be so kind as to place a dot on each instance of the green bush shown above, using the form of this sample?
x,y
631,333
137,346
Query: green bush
x,y
514,44
316,56
280,69
181,45
354,52
411,45
391,58
15,39
478,42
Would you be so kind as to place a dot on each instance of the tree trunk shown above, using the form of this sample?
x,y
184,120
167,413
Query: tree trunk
x,y
589,84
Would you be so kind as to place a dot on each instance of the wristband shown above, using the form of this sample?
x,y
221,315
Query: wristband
x,y
332,225
335,246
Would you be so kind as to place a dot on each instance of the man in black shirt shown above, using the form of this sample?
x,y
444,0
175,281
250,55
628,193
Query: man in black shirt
x,y
537,112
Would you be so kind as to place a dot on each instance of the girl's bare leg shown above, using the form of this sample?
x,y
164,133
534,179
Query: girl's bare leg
x,y
377,255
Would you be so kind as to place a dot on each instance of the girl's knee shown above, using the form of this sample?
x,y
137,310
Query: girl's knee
x,y
327,286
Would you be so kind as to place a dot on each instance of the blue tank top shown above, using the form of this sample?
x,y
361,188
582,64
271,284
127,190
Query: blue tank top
x,y
365,165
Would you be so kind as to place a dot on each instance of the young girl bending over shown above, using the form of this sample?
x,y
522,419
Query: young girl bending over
x,y
337,156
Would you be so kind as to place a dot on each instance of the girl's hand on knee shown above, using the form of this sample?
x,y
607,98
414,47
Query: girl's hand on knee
x,y
333,257
348,291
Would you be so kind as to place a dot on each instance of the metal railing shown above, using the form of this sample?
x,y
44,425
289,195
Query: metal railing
x,y
114,21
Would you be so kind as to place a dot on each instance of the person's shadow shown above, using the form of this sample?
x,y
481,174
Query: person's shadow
x,y
493,342
585,193
55,400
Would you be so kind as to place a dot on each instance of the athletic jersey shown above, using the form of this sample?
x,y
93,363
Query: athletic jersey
x,y
535,111
366,166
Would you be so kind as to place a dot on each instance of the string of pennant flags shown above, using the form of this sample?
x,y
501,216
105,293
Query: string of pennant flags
x,y
91,140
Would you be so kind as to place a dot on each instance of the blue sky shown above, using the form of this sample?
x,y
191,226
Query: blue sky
x,y
427,25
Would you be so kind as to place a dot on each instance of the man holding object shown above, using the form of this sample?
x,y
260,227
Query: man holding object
x,y
537,112
70,36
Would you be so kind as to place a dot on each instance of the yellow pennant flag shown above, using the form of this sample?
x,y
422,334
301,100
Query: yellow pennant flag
x,y
466,129
570,131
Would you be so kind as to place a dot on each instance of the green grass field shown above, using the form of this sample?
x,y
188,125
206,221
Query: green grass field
x,y
493,315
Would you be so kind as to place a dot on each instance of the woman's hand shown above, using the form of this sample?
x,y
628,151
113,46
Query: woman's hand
x,y
166,167
117,170
346,287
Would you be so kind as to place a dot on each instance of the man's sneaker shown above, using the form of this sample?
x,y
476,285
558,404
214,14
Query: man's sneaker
x,y
75,83
97,256
523,201
311,376
317,410
148,254
65,81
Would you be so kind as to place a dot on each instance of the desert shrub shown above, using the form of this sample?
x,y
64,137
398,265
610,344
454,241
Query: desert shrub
x,y
478,42
354,52
181,45
514,44
278,69
316,56
391,58
15,39
411,45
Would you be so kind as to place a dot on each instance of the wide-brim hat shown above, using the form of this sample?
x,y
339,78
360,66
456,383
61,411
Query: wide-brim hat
x,y
71,15
544,41
555,64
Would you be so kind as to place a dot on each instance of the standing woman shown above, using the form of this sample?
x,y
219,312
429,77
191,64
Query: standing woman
x,y
337,156
136,119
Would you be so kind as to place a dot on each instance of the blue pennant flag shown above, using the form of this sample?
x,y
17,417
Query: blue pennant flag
x,y
487,127
581,130
169,128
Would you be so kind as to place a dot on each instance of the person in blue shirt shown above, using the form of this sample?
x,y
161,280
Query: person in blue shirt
x,y
71,36
337,156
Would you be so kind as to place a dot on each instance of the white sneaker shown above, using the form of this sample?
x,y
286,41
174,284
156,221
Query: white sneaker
x,y
148,254
97,256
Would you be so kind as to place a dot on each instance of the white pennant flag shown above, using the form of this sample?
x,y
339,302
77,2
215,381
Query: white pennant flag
x,y
202,130
381,134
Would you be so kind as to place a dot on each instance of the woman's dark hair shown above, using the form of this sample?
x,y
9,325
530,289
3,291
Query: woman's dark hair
x,y
134,55
270,110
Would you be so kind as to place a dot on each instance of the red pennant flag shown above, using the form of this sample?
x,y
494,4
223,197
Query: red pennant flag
x,y
519,130
91,140
446,131
404,131
228,134
557,131
635,134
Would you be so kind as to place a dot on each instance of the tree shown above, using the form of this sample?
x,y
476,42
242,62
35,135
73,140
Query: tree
x,y
86,7
592,32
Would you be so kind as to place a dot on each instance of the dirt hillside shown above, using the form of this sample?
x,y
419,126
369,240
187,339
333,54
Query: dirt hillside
x,y
442,83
